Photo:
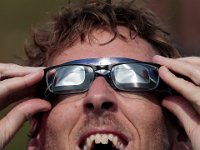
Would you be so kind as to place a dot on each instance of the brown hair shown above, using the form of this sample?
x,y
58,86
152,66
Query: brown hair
x,y
72,24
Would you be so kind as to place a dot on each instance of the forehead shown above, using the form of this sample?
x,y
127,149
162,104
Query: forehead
x,y
136,48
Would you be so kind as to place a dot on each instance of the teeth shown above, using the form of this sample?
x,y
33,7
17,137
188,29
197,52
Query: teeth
x,y
110,137
103,139
85,147
98,138
115,140
89,142
121,147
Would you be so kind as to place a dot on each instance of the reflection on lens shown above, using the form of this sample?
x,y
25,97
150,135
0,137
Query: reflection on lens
x,y
74,78
69,79
134,76
131,74
70,75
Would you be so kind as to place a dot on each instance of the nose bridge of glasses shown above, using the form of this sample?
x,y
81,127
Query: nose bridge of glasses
x,y
103,71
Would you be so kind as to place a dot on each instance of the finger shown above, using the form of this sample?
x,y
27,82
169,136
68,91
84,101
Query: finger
x,y
184,68
183,87
11,123
184,111
18,87
192,60
13,70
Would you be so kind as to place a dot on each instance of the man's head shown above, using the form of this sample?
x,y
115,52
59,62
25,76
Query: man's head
x,y
72,24
124,120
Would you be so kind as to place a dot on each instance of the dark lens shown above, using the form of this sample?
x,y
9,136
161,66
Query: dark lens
x,y
135,77
69,79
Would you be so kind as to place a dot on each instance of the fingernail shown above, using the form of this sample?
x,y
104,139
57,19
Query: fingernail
x,y
158,58
38,69
35,69
35,73
165,69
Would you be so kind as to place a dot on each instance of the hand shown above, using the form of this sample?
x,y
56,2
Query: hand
x,y
187,106
17,83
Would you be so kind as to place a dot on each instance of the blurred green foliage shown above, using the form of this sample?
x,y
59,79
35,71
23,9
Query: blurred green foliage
x,y
16,20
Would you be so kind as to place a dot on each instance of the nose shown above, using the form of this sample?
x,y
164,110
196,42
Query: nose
x,y
100,97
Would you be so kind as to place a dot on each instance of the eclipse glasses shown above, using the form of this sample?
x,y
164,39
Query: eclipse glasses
x,y
122,74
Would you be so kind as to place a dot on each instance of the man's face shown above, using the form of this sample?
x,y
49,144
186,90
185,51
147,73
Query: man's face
x,y
129,120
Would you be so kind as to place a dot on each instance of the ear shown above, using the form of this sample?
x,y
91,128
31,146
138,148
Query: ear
x,y
181,141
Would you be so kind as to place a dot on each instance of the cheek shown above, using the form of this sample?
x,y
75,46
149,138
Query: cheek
x,y
62,119
147,121
143,114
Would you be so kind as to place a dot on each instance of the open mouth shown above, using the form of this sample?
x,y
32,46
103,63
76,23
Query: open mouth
x,y
103,141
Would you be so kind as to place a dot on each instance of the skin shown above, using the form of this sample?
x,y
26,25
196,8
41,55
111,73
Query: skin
x,y
138,116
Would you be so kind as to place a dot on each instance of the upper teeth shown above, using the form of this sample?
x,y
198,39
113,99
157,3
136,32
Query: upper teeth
x,y
103,139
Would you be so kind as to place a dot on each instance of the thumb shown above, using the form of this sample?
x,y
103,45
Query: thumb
x,y
11,123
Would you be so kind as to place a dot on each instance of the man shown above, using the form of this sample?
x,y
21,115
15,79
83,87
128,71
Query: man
x,y
106,94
